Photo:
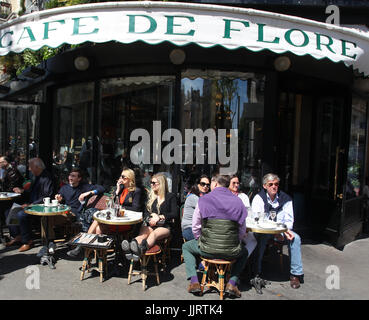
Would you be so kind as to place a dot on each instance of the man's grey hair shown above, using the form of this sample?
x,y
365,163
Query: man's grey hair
x,y
37,162
270,177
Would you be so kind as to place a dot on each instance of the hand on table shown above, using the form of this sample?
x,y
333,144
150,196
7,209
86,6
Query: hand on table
x,y
18,190
25,205
58,197
289,235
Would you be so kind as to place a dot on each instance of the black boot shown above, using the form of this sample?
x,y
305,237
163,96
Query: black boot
x,y
127,249
138,249
143,246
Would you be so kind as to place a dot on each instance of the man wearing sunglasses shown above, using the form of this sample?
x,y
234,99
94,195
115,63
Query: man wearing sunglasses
x,y
271,198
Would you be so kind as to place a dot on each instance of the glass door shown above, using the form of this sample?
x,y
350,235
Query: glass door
x,y
328,165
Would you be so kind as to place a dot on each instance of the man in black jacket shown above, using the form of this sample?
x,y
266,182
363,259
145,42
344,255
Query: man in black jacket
x,y
41,187
12,178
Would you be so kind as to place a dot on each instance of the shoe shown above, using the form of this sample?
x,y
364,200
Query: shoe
x,y
194,288
126,247
232,290
74,253
138,249
294,282
13,242
27,246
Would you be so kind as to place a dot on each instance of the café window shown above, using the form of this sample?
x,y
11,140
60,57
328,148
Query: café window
x,y
72,145
226,100
129,103
356,156
19,133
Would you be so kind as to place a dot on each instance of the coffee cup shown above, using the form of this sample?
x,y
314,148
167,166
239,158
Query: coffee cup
x,y
46,201
54,202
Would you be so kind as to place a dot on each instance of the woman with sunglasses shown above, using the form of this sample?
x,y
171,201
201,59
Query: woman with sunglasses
x,y
201,187
234,186
128,195
161,210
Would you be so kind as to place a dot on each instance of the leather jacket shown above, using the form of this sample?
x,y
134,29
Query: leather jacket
x,y
12,179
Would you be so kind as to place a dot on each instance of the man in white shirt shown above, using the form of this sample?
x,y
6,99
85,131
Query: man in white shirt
x,y
270,198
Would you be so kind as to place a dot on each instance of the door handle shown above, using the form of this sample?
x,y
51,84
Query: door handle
x,y
335,196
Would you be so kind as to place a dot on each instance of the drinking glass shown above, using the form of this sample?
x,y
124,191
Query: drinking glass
x,y
257,217
272,215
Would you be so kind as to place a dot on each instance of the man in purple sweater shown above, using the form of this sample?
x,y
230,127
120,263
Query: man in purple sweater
x,y
219,225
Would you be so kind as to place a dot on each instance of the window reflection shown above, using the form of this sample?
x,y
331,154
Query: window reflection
x,y
133,103
72,146
19,133
356,156
226,100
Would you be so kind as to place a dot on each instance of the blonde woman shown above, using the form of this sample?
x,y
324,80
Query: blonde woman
x,y
160,211
127,195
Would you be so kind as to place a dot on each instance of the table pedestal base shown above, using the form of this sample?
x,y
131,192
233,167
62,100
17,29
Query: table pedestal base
x,y
259,284
49,260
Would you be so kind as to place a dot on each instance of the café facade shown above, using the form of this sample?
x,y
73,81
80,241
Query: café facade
x,y
291,92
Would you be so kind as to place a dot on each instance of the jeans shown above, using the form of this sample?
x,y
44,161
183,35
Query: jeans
x,y
187,234
24,228
191,250
294,252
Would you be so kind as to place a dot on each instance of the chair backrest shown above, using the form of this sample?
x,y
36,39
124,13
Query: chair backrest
x,y
97,201
26,185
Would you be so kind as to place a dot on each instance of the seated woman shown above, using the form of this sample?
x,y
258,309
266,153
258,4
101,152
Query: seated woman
x,y
201,187
160,211
128,195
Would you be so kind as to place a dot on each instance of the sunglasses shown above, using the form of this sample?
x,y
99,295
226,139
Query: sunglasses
x,y
203,184
153,183
124,177
271,184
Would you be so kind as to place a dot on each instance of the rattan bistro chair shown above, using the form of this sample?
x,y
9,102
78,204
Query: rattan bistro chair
x,y
212,268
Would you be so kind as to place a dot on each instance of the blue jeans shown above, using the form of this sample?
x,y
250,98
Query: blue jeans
x,y
294,252
24,228
187,234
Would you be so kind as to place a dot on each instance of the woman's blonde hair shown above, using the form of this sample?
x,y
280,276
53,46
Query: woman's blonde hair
x,y
163,190
130,174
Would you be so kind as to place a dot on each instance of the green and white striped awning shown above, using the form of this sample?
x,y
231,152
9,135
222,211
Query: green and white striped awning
x,y
184,23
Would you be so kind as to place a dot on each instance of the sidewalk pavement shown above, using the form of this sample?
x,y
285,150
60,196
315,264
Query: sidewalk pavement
x,y
329,274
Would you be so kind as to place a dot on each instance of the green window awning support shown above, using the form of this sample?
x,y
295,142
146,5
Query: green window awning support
x,y
184,23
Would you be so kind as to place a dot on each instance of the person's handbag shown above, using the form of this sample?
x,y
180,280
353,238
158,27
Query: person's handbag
x,y
86,218
146,222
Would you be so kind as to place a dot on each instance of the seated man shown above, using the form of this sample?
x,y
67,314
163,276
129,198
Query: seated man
x,y
41,187
218,215
270,198
11,179
74,195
